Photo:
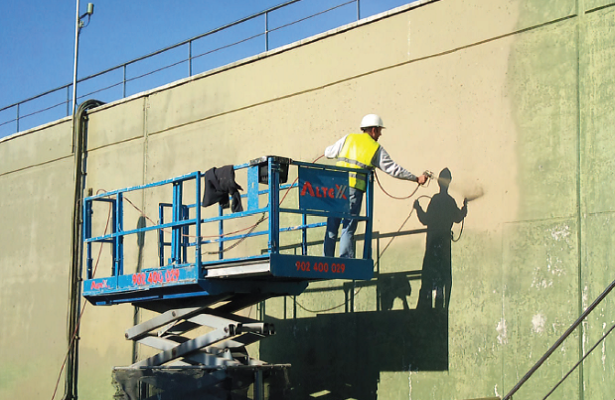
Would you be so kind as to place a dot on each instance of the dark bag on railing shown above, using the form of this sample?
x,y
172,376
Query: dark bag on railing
x,y
219,184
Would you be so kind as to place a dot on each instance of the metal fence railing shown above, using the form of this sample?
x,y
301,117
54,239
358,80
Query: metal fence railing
x,y
576,324
275,27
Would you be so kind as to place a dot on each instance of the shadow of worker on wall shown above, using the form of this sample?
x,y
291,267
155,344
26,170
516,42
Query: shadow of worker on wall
x,y
442,212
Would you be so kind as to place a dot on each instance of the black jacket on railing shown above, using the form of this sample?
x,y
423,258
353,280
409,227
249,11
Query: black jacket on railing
x,y
219,184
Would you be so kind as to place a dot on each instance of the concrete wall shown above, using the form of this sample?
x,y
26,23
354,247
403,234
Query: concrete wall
x,y
513,97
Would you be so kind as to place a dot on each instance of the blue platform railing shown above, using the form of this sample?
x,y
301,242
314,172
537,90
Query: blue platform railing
x,y
319,192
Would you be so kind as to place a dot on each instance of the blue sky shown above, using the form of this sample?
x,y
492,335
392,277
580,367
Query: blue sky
x,y
37,43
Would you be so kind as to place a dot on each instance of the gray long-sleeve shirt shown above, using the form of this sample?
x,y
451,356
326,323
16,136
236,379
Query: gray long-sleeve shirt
x,y
382,160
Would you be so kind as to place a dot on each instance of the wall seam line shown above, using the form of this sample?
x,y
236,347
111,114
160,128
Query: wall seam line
x,y
35,165
592,10
580,22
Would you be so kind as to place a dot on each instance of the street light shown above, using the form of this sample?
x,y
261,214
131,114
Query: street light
x,y
78,25
70,387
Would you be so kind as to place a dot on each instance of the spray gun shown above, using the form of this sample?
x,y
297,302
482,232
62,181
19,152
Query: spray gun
x,y
429,175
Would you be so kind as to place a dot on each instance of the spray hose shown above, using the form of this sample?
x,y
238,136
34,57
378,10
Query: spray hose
x,y
427,173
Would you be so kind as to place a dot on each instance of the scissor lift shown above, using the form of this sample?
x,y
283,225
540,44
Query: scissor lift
x,y
190,290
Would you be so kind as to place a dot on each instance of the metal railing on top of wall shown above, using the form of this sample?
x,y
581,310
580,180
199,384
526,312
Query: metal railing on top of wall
x,y
558,343
52,102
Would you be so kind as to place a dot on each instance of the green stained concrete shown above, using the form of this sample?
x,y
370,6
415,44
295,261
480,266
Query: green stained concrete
x,y
543,74
596,94
598,259
540,275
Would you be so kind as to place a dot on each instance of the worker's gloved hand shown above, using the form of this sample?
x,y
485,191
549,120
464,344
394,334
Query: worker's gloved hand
x,y
422,179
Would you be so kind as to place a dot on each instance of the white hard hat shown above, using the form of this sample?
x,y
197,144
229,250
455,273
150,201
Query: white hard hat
x,y
372,120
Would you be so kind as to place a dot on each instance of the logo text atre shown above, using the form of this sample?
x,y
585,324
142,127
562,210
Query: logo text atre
x,y
339,192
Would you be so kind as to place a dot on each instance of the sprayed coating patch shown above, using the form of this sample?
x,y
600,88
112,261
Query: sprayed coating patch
x,y
538,323
502,335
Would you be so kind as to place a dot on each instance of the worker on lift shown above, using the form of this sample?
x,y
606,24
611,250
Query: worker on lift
x,y
360,150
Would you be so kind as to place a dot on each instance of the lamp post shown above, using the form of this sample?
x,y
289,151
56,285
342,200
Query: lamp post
x,y
70,386
78,25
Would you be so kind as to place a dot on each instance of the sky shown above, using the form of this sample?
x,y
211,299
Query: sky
x,y
37,40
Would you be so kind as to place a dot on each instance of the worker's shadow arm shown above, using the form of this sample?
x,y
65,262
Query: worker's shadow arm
x,y
463,212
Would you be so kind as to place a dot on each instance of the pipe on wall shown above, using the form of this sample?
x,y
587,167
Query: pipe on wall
x,y
80,119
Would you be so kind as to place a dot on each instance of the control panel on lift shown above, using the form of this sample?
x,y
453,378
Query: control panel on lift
x,y
269,243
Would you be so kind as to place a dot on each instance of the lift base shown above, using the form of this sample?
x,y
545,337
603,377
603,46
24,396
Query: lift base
x,y
261,382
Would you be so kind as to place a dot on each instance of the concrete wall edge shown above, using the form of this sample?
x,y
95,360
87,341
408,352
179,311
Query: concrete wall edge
x,y
35,129
269,53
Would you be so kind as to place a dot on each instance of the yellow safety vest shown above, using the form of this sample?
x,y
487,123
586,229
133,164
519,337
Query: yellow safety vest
x,y
358,151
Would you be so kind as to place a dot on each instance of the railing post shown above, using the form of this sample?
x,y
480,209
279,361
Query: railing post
x,y
369,212
190,58
116,223
197,228
120,232
176,231
220,233
161,236
87,234
17,119
358,10
124,82
266,31
304,247
274,205
67,101
185,242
